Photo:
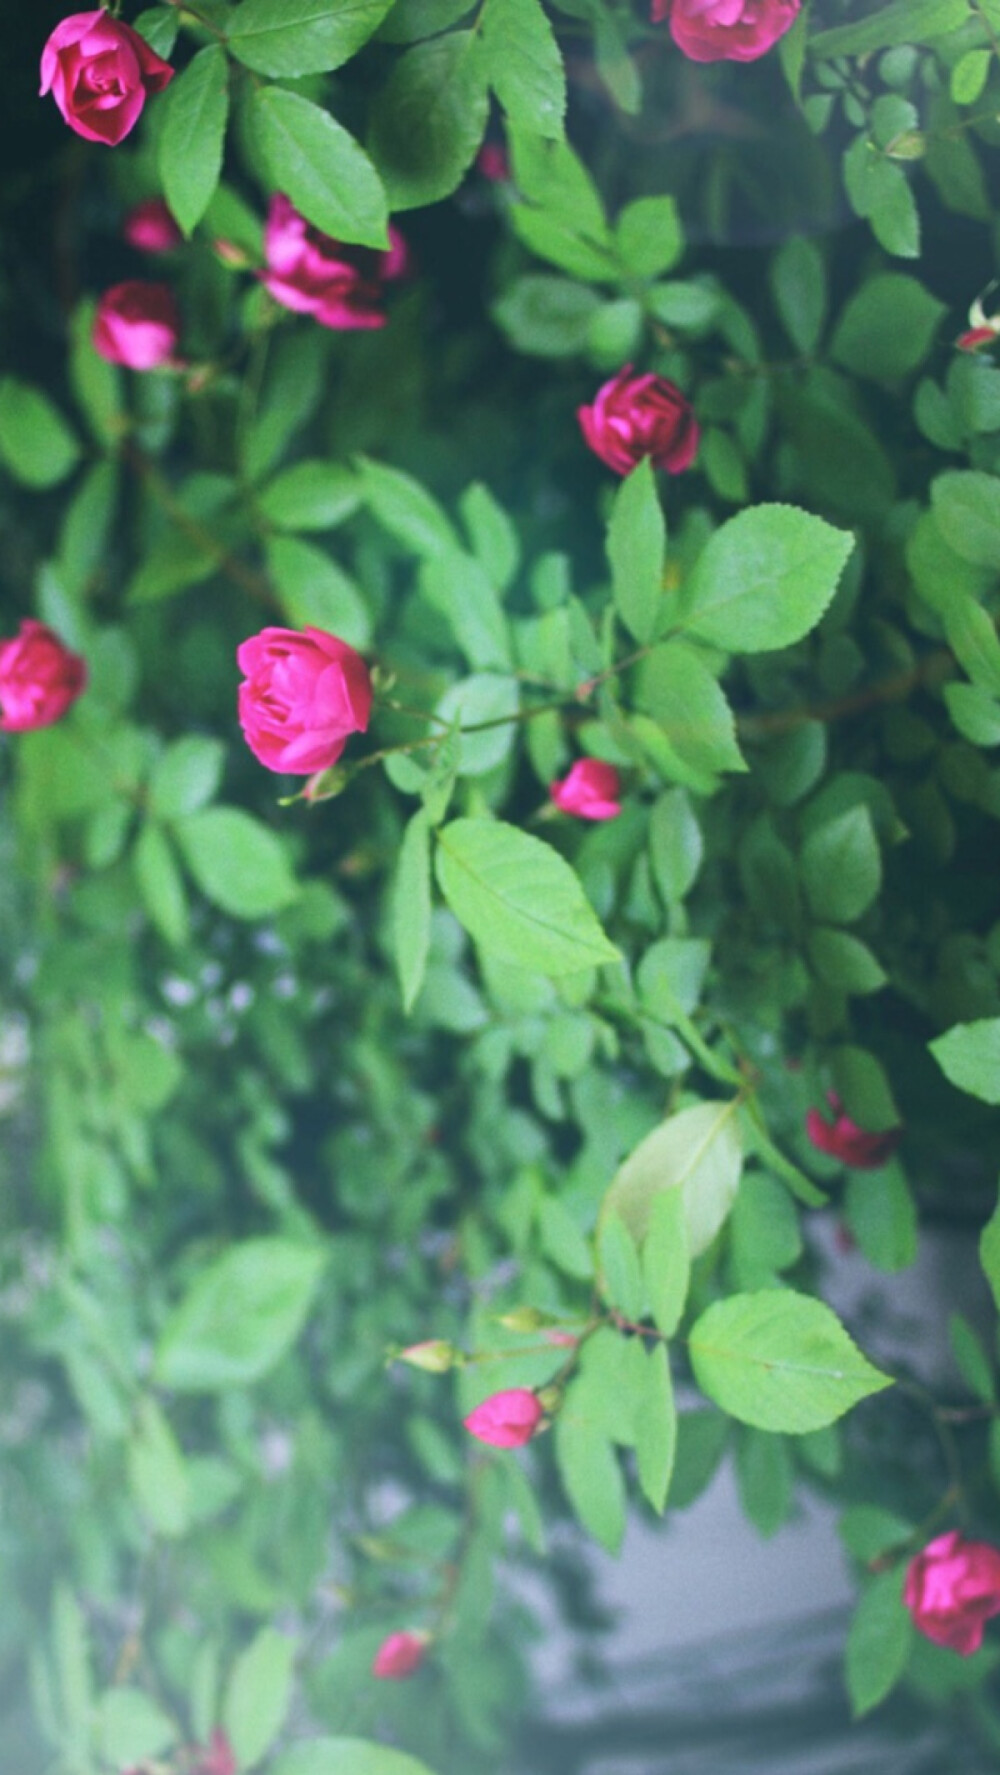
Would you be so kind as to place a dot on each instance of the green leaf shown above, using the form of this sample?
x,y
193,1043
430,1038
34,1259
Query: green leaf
x,y
493,536
676,846
966,506
406,509
798,279
637,542
764,1232
842,866
989,1253
345,1756
882,1215
186,776
975,713
869,1530
969,1055
878,1643
429,118
37,445
287,38
321,168
131,1727
258,1695
518,898
161,888
314,590
311,495
524,66
843,962
195,108
780,1361
764,579
861,1081
158,1475
666,1260
655,1426
902,21
698,1153
693,732
618,1268
591,1476
237,863
887,328
973,1362
649,237
412,907
239,1317
765,1477
969,76
546,316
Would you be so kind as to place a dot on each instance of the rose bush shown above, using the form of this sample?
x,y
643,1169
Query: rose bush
x,y
485,1131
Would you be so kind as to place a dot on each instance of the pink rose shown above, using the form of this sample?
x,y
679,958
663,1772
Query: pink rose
x,y
151,227
137,324
310,273
590,791
637,416
400,1655
303,693
218,1759
975,338
844,1140
39,678
100,73
952,1589
506,1420
726,30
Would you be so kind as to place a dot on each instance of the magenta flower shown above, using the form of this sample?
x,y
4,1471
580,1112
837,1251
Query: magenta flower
x,y
303,693
39,678
952,1589
844,1140
100,73
636,416
151,228
506,1420
400,1655
311,273
726,30
137,324
590,791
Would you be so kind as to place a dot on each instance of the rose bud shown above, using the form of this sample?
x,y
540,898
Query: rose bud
x,y
637,416
952,1589
434,1356
150,227
506,1420
726,30
844,1140
590,791
303,693
39,678
137,324
976,338
311,273
100,73
400,1655
218,1759
493,163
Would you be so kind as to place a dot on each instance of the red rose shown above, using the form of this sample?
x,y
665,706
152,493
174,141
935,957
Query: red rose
x,y
150,227
400,1655
137,324
303,693
506,1420
637,416
100,73
726,30
311,273
39,678
590,791
952,1589
844,1140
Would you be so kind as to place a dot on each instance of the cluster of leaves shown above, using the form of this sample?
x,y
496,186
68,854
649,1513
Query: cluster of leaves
x,y
286,1087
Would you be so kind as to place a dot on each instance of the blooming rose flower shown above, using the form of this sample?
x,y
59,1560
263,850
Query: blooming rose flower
x,y
844,1140
952,1589
310,273
506,1420
590,790
400,1655
100,73
637,416
303,693
137,324
726,30
218,1759
39,678
150,227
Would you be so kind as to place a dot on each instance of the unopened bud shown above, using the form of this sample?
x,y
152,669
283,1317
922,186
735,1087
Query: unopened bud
x,y
910,144
434,1355
550,1399
523,1319
230,253
326,784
